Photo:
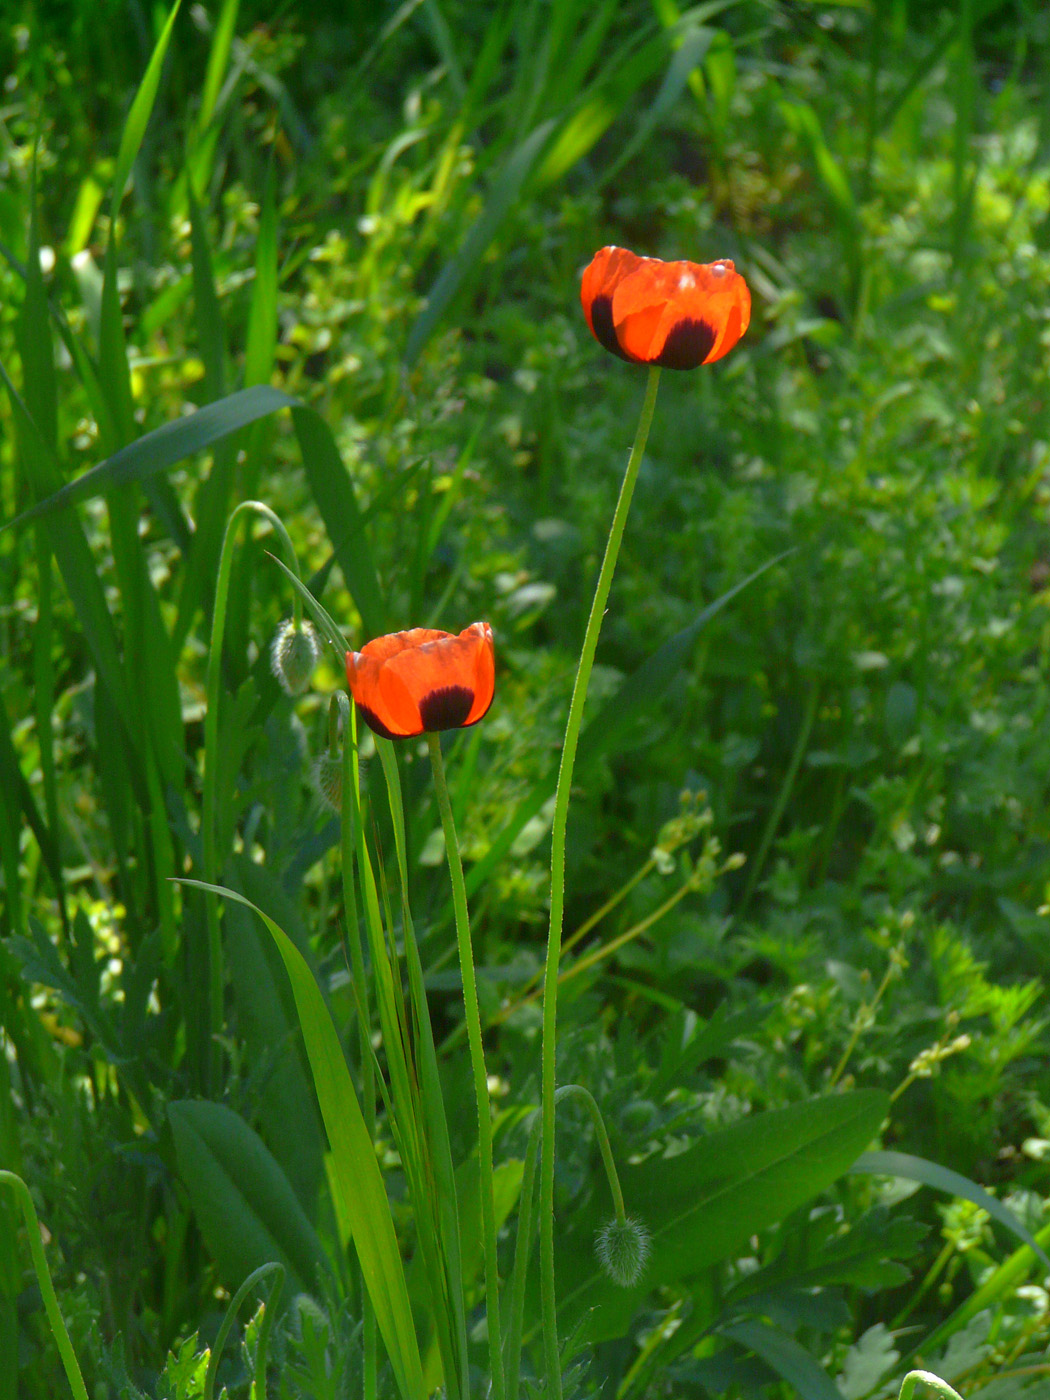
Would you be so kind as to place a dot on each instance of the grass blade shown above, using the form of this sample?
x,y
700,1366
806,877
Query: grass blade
x,y
163,447
355,1167
927,1173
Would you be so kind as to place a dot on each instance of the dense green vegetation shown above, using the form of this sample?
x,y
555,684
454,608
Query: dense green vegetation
x,y
808,848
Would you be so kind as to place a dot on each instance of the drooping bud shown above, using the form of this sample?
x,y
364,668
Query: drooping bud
x,y
622,1247
293,655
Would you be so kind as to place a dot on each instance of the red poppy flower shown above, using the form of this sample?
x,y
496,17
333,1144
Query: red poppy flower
x,y
675,314
421,681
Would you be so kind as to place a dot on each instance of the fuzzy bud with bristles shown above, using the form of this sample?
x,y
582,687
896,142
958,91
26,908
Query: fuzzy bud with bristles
x,y
293,655
328,780
622,1247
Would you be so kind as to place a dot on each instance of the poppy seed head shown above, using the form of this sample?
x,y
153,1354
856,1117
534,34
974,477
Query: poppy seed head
x,y
293,656
622,1247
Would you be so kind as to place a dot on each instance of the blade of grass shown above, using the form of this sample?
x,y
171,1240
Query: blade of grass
x,y
911,1168
162,448
361,1184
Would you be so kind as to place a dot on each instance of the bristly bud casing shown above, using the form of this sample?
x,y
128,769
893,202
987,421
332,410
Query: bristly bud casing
x,y
293,655
622,1247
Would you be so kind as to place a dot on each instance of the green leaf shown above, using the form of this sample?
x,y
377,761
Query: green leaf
x,y
141,109
704,1203
248,1213
867,1361
355,1168
787,1358
918,1169
261,343
75,561
333,490
163,447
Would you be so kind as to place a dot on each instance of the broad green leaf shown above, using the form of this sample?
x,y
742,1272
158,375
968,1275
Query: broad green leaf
x,y
809,1379
704,1203
911,1168
248,1213
354,1162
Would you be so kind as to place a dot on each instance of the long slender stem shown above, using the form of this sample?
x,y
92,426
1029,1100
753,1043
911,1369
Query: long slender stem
x,y
210,792
477,1060
558,829
352,936
47,1288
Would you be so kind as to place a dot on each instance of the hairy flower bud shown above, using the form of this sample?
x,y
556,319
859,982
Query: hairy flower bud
x,y
622,1247
293,656
328,780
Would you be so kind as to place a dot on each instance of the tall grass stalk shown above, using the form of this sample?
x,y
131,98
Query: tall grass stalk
x,y
558,830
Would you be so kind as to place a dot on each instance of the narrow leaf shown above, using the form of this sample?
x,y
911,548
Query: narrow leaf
x,y
354,1162
927,1173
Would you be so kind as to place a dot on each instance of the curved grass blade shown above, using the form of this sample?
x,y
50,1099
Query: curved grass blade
x,y
927,1173
238,1298
355,1168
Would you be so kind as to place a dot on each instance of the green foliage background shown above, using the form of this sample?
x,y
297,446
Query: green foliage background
x,y
383,213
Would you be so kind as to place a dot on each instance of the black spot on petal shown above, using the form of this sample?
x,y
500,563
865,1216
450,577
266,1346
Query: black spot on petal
x,y
688,345
375,723
604,331
446,708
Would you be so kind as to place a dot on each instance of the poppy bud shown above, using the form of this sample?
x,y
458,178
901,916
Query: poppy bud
x,y
293,655
674,314
622,1247
327,777
423,680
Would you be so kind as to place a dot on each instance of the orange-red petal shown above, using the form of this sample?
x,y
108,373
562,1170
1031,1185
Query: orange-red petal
x,y
423,680
675,314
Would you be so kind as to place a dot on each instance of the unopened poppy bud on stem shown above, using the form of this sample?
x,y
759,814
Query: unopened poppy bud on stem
x,y
293,655
622,1247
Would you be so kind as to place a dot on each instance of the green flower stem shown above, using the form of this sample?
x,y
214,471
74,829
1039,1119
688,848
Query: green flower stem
x,y
927,1378
561,811
577,1091
477,1059
210,793
523,1245
47,1288
263,1271
355,956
